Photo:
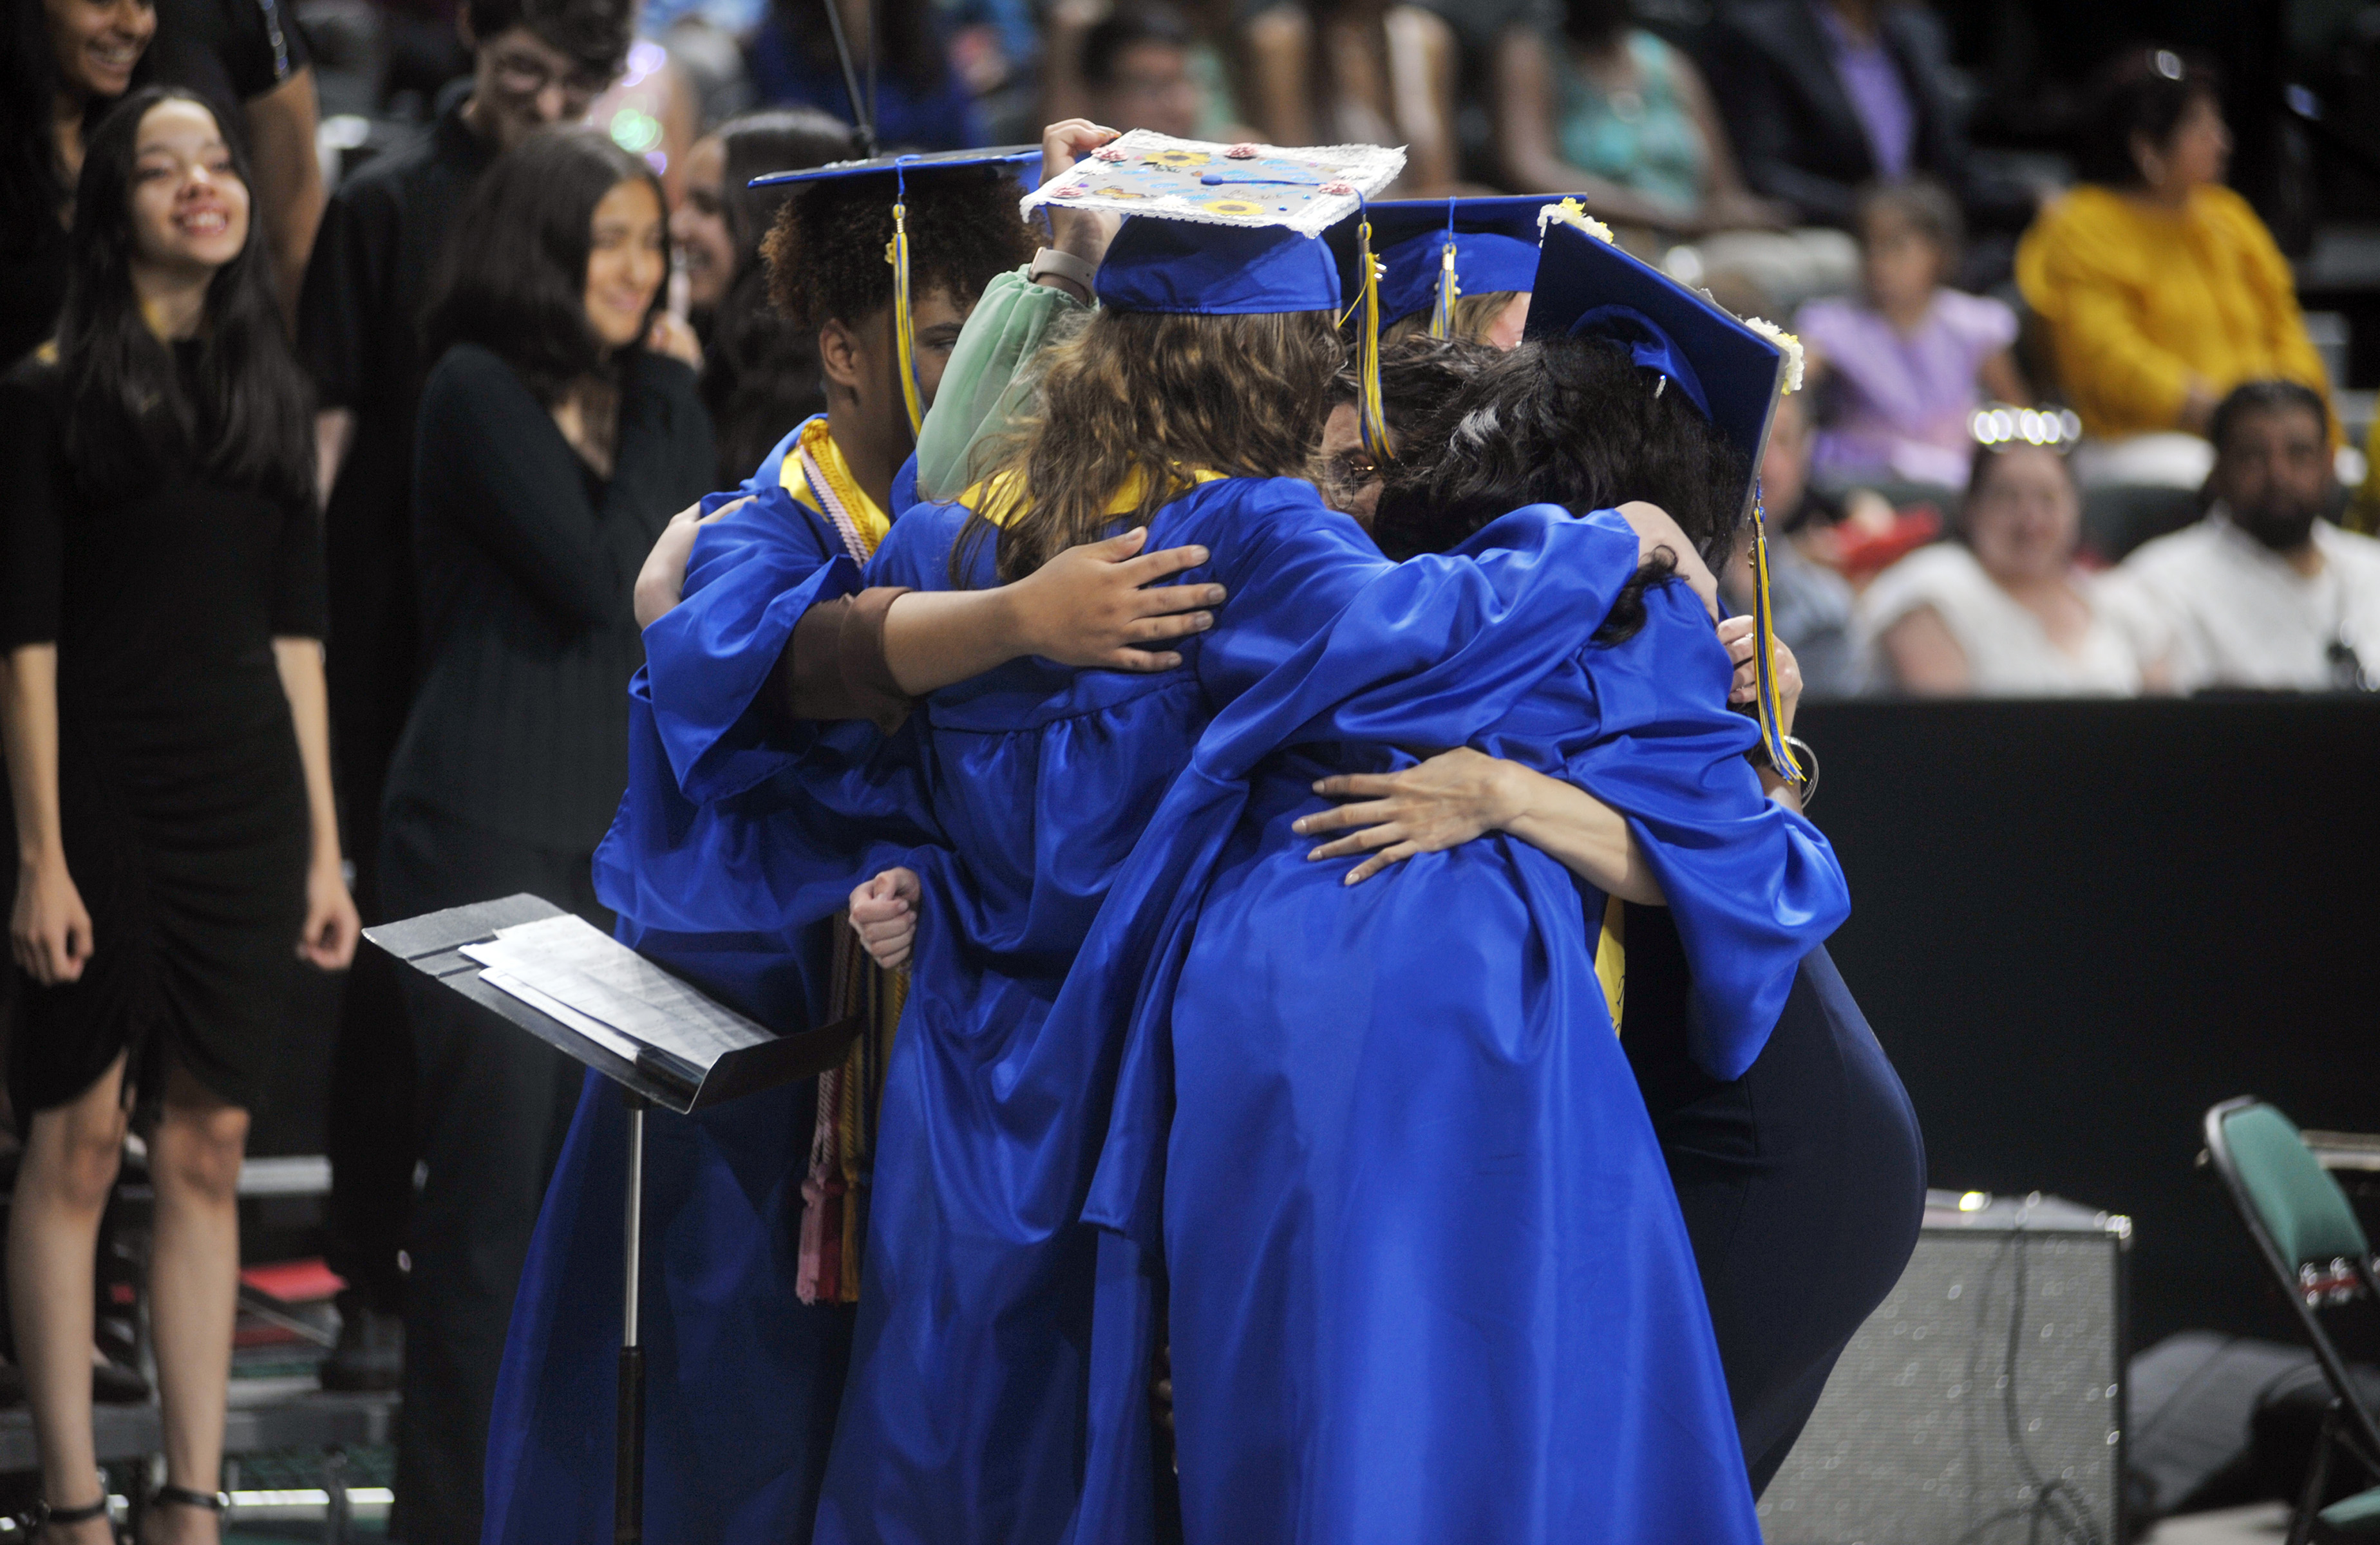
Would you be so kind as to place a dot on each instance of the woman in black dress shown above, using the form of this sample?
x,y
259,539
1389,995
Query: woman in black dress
x,y
161,610
553,446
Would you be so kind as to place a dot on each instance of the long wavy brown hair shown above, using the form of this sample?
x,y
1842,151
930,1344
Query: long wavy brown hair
x,y
1154,397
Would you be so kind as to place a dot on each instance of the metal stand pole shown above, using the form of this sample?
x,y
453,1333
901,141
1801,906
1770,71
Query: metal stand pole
x,y
628,1473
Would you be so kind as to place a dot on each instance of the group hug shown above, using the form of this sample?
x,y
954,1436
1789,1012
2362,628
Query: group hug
x,y
1237,724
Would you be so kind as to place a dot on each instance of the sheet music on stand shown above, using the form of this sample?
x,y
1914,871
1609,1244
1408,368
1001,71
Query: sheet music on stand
x,y
573,985
611,993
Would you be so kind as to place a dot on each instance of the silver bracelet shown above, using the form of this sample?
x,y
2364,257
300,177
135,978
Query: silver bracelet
x,y
1806,786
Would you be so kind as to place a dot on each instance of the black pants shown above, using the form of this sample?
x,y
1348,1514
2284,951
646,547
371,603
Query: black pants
x,y
370,1132
495,1104
1802,1182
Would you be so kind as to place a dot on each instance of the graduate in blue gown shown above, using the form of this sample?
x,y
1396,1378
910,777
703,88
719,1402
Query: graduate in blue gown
x,y
1451,268
1425,1276
728,1339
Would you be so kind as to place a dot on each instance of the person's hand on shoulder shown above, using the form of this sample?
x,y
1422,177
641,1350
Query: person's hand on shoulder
x,y
661,582
1092,606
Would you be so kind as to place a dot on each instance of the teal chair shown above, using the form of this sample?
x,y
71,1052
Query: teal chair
x,y
2307,1232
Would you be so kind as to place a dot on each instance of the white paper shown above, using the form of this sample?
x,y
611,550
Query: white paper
x,y
596,1031
570,961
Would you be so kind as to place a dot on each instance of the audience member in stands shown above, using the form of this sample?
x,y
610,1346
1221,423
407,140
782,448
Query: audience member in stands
x,y
920,101
251,54
62,62
759,372
2003,612
162,707
1606,109
1351,72
2161,288
2264,594
1141,64
1810,603
1905,367
1823,96
552,449
1140,68
534,62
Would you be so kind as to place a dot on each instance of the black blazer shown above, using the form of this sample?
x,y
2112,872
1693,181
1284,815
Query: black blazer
x,y
529,565
1792,124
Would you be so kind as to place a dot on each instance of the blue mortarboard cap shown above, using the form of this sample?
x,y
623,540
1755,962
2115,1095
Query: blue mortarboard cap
x,y
1025,161
1585,285
1731,371
1495,248
1190,267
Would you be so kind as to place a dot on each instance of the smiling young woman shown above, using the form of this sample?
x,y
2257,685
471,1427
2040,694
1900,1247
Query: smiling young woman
x,y
553,446
62,63
162,704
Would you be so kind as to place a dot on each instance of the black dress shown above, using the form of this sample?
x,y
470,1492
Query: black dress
x,y
181,797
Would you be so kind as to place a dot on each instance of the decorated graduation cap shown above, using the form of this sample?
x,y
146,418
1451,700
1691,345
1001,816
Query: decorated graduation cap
x,y
1434,251
1229,230
1731,369
895,171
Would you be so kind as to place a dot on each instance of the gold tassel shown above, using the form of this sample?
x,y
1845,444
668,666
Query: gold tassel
x,y
1372,418
1764,632
903,342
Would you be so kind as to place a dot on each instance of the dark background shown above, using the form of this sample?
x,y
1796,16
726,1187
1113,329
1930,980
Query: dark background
x,y
2077,925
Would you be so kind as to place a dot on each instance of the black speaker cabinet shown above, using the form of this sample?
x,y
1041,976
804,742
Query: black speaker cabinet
x,y
1982,1403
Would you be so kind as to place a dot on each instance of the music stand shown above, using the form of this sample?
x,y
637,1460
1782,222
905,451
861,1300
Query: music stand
x,y
677,1078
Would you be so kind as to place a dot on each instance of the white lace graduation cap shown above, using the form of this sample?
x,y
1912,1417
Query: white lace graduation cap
x,y
1731,369
1274,202
896,171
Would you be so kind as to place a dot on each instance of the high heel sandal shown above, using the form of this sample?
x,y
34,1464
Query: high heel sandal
x,y
182,1496
44,1514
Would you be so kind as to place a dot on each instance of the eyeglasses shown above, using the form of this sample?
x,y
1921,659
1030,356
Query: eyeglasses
x,y
525,75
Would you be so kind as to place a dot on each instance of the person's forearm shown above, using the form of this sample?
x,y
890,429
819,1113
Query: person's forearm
x,y
1585,835
281,126
300,663
934,639
29,733
335,430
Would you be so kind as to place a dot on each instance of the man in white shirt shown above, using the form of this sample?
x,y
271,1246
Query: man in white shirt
x,y
2264,594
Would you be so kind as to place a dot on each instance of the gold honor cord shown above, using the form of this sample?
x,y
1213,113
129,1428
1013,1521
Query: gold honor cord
x,y
1611,958
1764,630
903,343
1373,419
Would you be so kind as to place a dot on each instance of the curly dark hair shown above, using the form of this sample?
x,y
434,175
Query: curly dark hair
x,y
826,251
1568,421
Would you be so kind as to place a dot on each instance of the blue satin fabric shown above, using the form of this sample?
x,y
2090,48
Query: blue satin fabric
x,y
983,1404
1429,1278
740,834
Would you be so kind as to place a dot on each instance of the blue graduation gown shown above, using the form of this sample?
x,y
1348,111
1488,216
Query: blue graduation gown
x,y
968,1410
739,834
1427,1277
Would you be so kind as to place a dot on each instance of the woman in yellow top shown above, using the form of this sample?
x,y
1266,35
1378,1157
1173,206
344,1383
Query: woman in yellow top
x,y
2161,288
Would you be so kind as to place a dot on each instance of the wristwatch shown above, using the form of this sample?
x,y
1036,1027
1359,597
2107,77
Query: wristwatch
x,y
1062,265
